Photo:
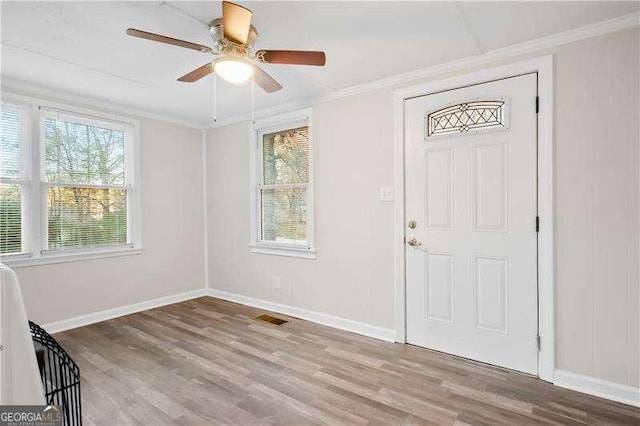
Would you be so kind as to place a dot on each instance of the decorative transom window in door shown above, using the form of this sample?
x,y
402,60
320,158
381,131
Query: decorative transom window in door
x,y
466,117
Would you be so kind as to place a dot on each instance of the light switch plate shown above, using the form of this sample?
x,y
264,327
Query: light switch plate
x,y
386,193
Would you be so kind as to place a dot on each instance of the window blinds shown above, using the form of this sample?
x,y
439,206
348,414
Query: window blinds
x,y
283,194
10,219
12,175
86,179
10,145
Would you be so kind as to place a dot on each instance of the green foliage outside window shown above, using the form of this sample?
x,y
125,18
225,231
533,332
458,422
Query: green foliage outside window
x,y
78,154
84,175
10,219
285,159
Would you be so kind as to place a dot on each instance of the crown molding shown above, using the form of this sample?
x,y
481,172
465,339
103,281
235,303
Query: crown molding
x,y
18,87
581,33
491,56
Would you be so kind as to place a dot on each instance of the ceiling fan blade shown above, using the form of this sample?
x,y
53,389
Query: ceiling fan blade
x,y
264,80
198,73
168,40
293,57
236,22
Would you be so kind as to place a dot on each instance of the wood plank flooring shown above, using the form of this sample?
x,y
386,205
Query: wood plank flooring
x,y
208,361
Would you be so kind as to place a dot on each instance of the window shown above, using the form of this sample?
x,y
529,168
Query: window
x,y
468,116
86,183
282,209
80,200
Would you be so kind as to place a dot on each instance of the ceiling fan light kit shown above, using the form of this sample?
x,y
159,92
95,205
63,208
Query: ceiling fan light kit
x,y
234,59
233,70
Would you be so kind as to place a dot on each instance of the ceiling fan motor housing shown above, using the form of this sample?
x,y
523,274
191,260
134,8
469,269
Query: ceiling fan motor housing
x,y
222,45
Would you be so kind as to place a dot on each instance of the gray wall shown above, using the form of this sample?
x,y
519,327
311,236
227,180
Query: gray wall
x,y
596,207
172,236
596,154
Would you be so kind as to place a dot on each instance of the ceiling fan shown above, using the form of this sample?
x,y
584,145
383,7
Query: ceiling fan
x,y
234,59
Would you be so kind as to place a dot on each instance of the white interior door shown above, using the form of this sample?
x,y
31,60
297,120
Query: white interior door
x,y
471,206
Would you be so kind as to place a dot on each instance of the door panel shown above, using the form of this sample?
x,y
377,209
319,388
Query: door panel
x,y
439,294
471,187
439,195
491,294
490,166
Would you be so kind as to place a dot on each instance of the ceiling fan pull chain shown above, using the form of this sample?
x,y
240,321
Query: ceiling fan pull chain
x,y
253,103
215,96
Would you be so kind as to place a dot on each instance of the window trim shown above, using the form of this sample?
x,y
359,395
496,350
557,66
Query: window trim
x,y
269,125
35,217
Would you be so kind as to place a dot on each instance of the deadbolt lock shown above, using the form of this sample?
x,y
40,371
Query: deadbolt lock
x,y
413,224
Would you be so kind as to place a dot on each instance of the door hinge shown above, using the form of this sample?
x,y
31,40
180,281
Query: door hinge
x,y
537,223
537,104
538,342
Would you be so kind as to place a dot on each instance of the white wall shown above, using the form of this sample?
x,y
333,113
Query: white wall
x,y
597,214
597,191
352,275
172,236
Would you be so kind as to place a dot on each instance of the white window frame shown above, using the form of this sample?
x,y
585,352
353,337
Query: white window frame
x,y
261,127
35,202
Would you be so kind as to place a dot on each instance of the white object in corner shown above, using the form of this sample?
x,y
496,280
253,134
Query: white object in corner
x,y
597,387
68,324
357,327
20,382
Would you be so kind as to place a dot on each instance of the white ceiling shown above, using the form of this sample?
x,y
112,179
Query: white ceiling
x,y
81,47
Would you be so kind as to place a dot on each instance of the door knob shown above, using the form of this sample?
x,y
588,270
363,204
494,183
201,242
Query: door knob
x,y
414,243
412,224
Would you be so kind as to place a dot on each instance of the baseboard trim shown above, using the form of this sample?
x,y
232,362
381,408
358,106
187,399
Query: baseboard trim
x,y
616,392
601,388
380,333
68,324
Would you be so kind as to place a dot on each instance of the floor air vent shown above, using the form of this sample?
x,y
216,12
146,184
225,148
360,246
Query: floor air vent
x,y
272,320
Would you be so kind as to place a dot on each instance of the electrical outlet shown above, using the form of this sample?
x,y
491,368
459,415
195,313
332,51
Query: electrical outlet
x,y
277,283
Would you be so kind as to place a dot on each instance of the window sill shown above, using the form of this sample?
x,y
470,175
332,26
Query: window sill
x,y
302,253
49,259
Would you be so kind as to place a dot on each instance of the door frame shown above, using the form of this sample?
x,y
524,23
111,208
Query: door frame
x,y
546,268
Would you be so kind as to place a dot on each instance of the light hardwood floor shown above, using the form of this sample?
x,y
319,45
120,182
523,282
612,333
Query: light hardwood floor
x,y
207,361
